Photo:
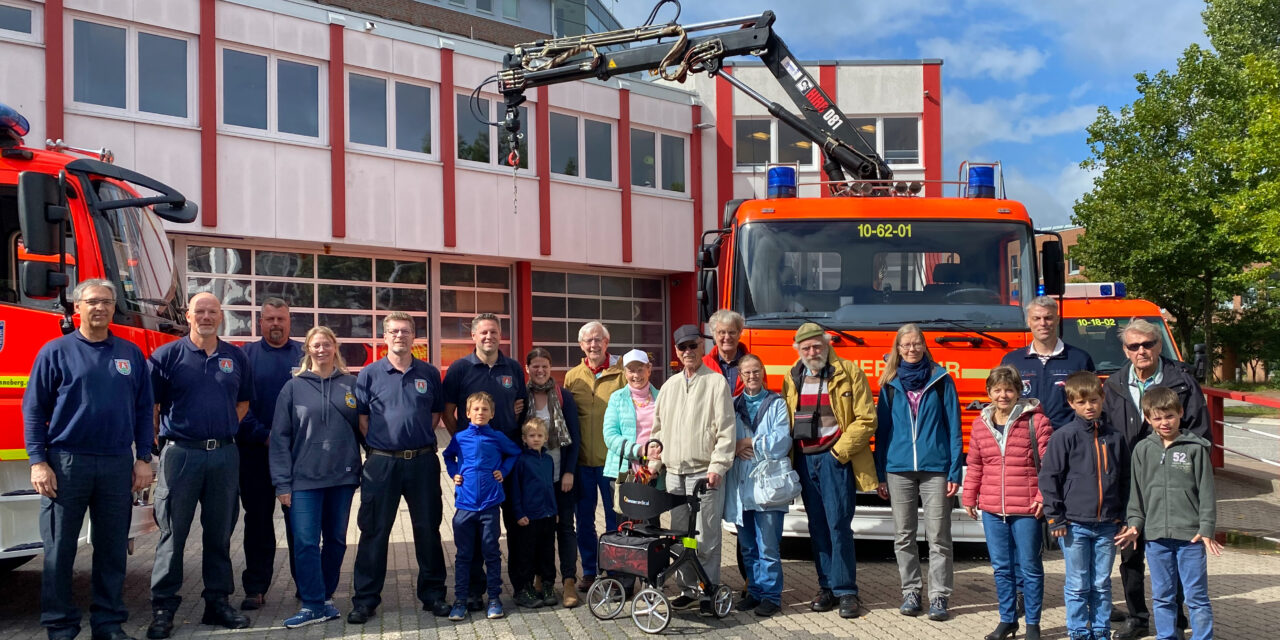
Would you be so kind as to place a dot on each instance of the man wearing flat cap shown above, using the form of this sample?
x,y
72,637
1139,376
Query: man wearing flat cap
x,y
694,421
833,419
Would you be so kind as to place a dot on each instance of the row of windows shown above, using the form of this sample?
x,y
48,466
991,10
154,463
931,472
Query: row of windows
x,y
760,141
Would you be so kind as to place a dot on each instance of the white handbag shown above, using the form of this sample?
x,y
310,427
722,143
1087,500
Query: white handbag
x,y
774,482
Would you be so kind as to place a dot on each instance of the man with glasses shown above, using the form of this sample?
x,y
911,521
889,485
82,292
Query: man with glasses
x,y
1045,364
1122,406
694,421
400,401
591,383
726,332
87,409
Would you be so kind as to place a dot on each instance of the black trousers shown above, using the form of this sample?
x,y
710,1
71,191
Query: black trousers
x,y
191,477
258,497
532,552
382,483
566,536
1132,571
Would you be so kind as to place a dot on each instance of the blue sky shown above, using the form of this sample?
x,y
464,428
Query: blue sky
x,y
1020,79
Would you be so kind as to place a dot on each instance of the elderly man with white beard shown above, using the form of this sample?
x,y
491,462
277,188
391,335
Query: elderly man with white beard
x,y
833,419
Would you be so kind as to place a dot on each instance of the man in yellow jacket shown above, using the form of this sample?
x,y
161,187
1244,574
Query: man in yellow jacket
x,y
833,419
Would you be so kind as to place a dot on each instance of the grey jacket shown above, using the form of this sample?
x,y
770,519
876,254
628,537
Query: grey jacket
x,y
313,437
1172,492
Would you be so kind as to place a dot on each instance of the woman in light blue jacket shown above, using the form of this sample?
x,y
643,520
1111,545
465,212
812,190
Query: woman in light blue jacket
x,y
763,432
628,420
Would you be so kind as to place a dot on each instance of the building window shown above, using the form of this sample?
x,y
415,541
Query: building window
x,y
370,122
474,136
902,140
763,141
122,68
649,162
574,138
1073,268
349,294
466,290
484,5
273,94
631,307
511,9
20,21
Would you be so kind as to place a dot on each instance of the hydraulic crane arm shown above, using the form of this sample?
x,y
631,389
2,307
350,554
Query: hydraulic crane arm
x,y
547,62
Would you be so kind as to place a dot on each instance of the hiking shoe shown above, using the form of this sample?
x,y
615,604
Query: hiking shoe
x,y
303,618
460,611
824,601
525,598
849,606
683,603
570,593
766,608
495,609
910,604
549,598
938,609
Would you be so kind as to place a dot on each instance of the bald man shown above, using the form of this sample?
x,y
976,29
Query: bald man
x,y
202,390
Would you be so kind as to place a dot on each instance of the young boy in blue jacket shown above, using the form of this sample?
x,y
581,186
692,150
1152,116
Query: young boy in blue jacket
x,y
533,502
478,458
1171,500
1084,479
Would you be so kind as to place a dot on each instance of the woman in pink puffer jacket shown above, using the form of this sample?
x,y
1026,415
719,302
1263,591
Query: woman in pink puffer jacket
x,y
1002,482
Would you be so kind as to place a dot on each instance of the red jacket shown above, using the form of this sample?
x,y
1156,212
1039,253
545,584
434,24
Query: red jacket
x,y
713,363
1004,480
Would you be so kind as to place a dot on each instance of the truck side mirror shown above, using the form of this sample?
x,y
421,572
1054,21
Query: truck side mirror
x,y
709,256
1054,269
1200,362
708,294
42,210
42,279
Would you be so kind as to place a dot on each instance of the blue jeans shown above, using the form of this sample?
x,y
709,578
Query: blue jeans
x,y
1089,550
760,539
1013,542
827,488
315,515
592,483
1170,562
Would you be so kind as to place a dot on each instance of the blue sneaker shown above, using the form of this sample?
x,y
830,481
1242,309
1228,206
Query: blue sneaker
x,y
459,611
330,612
305,617
495,609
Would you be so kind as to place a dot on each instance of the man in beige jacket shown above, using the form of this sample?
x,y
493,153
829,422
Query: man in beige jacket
x,y
694,422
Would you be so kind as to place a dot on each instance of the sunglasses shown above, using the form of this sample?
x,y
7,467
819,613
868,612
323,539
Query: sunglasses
x,y
1148,345
686,346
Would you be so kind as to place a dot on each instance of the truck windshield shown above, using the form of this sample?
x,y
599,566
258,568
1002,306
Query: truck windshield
x,y
136,255
870,274
1101,338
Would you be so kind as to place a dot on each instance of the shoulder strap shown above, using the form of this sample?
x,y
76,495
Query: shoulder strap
x,y
1035,442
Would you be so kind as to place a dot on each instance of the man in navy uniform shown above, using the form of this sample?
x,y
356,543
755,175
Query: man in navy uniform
x,y
399,400
87,409
272,360
1047,361
202,390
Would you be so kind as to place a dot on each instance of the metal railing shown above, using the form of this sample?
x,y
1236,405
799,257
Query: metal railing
x,y
1215,398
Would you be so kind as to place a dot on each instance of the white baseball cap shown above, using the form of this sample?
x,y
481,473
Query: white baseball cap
x,y
635,355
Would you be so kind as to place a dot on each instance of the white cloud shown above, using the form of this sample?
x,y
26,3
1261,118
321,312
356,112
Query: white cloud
x,y
968,125
974,56
1049,197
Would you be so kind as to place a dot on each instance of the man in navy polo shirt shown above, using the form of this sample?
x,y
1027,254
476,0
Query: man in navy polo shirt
x,y
399,399
272,361
87,407
202,390
1047,362
486,369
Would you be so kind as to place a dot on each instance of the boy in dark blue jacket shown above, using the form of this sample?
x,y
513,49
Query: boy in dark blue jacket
x,y
533,502
478,458
1085,483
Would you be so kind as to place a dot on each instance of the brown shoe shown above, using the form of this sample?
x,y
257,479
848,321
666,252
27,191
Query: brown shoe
x,y
570,593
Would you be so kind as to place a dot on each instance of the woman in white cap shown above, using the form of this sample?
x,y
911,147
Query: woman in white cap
x,y
629,418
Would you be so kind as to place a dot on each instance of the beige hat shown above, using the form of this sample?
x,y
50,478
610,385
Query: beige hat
x,y
807,331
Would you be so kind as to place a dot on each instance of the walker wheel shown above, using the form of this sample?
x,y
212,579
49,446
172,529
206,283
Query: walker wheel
x,y
651,611
606,598
722,600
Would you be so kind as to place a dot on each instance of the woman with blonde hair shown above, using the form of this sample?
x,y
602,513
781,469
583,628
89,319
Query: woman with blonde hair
x,y
918,457
315,467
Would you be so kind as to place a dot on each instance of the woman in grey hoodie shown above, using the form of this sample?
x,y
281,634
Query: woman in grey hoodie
x,y
315,467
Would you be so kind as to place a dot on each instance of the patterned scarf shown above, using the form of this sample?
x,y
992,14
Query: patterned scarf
x,y
558,430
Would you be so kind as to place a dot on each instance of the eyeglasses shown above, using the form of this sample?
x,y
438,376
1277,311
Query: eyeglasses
x,y
1134,346
909,346
399,332
686,346
750,374
99,302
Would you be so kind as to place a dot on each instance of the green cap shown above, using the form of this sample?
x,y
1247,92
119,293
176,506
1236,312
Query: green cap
x,y
808,331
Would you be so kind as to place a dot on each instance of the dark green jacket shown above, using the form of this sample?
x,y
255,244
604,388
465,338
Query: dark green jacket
x,y
1172,491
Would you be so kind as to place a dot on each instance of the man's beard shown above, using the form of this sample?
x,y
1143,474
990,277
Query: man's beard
x,y
815,364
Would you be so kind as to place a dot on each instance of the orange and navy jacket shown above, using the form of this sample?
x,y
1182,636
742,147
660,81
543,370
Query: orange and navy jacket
x,y
1084,476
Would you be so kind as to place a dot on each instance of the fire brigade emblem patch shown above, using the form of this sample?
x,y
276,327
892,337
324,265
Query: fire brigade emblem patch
x,y
420,386
123,367
225,365
350,399
506,381
1026,388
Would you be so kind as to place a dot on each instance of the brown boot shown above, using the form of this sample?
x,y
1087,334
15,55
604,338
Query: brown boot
x,y
570,593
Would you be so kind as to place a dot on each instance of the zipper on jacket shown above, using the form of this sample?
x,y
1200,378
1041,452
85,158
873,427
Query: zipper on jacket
x,y
1097,459
915,417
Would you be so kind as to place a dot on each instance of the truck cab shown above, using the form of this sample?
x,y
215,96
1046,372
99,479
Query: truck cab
x,y
1095,313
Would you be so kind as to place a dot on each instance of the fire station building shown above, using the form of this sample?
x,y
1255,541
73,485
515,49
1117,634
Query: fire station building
x,y
341,162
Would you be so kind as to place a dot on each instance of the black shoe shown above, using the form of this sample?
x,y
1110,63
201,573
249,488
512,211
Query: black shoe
x,y
850,606
911,604
548,594
161,624
766,608
1132,630
1118,615
438,607
938,609
684,603
223,615
824,601
1003,630
1032,632
118,634
360,614
746,603
525,598
706,609
1019,606
253,601
475,603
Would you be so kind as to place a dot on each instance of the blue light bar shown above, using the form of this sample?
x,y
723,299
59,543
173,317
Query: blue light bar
x,y
782,182
982,182
12,123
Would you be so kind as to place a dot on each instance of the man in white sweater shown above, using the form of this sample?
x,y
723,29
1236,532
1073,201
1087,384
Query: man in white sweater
x,y
694,422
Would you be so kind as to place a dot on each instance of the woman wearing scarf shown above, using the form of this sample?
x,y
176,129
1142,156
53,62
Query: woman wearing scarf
x,y
763,431
549,401
918,458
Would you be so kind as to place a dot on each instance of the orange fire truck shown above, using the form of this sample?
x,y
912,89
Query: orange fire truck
x,y
1094,314
62,219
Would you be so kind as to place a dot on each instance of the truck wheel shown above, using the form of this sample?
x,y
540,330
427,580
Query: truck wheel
x,y
9,564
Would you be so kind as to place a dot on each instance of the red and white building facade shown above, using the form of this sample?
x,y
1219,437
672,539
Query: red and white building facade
x,y
337,163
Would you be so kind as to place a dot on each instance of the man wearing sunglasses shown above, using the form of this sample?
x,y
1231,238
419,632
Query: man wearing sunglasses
x,y
1122,407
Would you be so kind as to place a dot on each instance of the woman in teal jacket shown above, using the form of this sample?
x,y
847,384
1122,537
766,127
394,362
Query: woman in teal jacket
x,y
628,419
918,451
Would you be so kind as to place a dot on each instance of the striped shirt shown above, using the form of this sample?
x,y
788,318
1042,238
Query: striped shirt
x,y
815,408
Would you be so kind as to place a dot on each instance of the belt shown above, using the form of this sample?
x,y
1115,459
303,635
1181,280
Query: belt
x,y
204,445
403,454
